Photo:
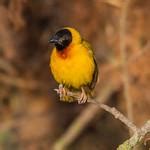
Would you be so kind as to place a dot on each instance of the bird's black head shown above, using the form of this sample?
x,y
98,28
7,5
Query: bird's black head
x,y
61,39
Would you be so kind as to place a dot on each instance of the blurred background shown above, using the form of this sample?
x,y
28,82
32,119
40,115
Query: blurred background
x,y
31,115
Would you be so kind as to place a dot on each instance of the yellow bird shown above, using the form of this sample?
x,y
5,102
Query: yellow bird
x,y
72,63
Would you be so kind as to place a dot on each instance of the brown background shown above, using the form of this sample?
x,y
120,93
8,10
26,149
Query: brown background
x,y
31,115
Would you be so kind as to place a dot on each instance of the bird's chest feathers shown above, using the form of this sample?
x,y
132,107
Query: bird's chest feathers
x,y
72,66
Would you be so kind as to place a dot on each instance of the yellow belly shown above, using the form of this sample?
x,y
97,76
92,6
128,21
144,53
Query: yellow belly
x,y
75,70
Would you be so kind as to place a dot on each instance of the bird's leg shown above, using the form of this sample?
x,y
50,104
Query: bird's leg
x,y
62,91
83,97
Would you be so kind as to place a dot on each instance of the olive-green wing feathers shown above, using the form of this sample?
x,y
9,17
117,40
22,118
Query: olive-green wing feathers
x,y
95,74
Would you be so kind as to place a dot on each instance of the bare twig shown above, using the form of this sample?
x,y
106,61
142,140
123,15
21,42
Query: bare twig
x,y
137,137
79,124
83,119
123,28
117,115
112,110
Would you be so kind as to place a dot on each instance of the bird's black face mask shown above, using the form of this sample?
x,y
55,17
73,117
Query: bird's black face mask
x,y
61,39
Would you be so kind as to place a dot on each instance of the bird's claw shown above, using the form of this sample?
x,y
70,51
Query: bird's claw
x,y
83,97
57,91
61,91
63,94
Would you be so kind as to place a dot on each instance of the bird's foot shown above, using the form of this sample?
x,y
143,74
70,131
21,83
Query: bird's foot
x,y
83,97
62,91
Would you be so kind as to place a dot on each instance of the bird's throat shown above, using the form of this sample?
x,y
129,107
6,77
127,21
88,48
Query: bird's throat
x,y
63,54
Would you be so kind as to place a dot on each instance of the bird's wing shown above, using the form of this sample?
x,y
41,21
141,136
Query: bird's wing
x,y
95,74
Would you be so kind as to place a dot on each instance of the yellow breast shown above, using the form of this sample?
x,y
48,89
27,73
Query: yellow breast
x,y
74,68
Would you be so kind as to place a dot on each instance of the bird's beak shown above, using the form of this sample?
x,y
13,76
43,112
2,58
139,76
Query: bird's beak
x,y
53,40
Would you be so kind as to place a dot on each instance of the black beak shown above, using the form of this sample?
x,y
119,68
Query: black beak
x,y
53,40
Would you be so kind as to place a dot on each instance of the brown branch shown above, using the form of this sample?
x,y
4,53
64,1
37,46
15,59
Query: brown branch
x,y
79,124
117,115
83,119
137,137
123,28
113,111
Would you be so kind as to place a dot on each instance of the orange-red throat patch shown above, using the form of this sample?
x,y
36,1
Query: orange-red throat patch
x,y
65,53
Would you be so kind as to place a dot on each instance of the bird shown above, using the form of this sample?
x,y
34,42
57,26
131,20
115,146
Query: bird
x,y
72,63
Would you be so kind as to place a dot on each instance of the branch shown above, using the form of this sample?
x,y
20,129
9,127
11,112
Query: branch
x,y
83,119
113,111
117,115
136,138
79,124
123,28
